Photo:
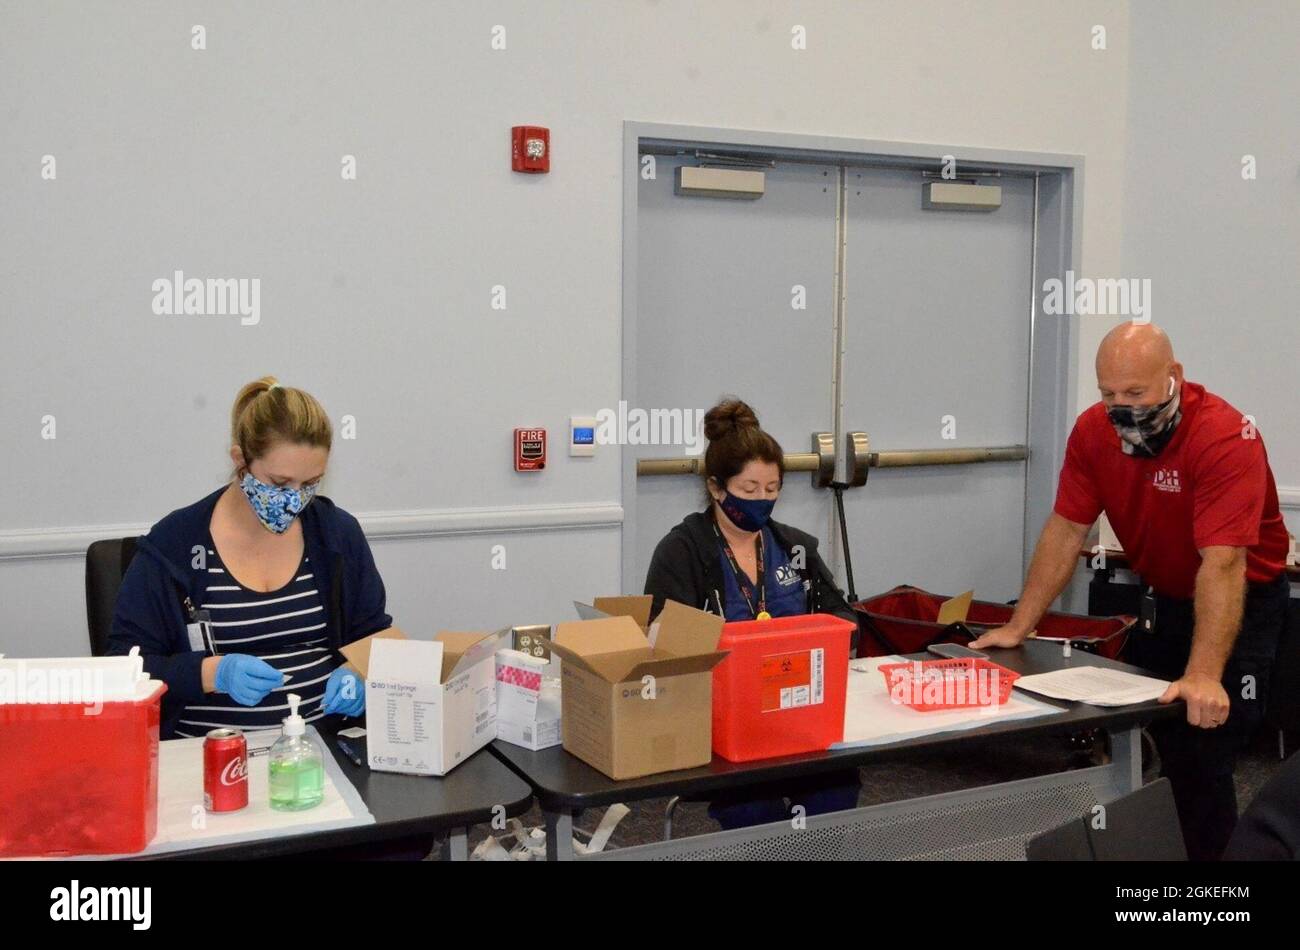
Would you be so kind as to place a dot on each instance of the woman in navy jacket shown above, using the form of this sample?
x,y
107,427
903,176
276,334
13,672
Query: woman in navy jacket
x,y
248,594
733,559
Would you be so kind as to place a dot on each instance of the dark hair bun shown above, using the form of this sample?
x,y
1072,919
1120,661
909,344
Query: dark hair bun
x,y
727,417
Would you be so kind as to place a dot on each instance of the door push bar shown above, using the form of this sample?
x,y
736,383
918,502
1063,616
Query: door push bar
x,y
859,459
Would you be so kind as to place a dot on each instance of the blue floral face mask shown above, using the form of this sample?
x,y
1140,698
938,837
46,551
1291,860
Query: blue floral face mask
x,y
274,506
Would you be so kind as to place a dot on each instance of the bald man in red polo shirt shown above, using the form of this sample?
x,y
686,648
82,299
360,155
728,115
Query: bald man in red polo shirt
x,y
1184,479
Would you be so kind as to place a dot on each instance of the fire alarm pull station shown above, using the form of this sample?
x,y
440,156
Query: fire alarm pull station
x,y
530,450
530,148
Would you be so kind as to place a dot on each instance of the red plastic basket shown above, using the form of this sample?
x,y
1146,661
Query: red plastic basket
x,y
959,684
904,620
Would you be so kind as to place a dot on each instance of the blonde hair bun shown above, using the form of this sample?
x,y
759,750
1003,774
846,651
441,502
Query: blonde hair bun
x,y
265,412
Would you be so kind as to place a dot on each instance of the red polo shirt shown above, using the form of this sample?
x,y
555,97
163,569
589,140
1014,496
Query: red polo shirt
x,y
1210,485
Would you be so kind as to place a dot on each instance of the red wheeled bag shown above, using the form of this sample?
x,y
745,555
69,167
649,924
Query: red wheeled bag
x,y
903,620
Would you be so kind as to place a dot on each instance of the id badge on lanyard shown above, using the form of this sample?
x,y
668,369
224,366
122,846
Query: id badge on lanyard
x,y
199,628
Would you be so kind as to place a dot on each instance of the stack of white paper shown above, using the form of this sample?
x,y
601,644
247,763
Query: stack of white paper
x,y
1095,685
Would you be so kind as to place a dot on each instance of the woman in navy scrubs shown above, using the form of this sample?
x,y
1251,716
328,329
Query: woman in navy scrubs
x,y
247,595
732,559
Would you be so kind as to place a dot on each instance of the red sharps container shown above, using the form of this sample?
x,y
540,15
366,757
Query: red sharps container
x,y
225,770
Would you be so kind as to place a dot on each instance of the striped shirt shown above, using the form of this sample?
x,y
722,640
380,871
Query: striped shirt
x,y
285,627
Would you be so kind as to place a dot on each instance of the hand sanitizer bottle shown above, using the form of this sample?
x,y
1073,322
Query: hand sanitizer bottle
x,y
295,765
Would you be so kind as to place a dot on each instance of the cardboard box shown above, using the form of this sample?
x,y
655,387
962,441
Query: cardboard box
x,y
528,698
636,606
638,699
430,704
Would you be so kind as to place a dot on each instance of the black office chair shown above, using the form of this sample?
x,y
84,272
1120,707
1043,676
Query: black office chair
x,y
1141,826
1269,830
106,564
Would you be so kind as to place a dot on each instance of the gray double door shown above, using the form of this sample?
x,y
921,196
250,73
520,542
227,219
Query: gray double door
x,y
737,297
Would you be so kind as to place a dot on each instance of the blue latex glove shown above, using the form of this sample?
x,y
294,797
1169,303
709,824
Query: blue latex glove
x,y
246,678
345,693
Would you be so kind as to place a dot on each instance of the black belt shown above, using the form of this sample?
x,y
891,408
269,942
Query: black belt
x,y
1154,604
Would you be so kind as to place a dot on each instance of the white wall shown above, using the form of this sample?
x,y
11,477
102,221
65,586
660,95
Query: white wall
x,y
1222,252
375,293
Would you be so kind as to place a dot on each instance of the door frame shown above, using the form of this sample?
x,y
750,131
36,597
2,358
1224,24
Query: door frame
x,y
1056,248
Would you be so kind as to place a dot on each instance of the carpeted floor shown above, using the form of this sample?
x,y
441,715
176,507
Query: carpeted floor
x,y
911,776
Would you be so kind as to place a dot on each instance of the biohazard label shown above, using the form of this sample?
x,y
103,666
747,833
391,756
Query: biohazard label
x,y
790,680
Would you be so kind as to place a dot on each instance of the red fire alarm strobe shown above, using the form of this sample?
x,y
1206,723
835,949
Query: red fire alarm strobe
x,y
530,450
531,148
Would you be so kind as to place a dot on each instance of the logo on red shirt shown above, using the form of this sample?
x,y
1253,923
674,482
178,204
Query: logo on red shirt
x,y
1166,479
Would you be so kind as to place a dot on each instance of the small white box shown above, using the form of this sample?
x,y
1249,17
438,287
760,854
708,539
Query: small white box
x,y
430,705
528,699
582,436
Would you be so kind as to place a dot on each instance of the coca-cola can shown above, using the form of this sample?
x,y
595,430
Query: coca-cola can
x,y
225,770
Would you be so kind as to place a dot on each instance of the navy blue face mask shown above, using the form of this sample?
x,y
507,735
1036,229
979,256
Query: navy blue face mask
x,y
747,514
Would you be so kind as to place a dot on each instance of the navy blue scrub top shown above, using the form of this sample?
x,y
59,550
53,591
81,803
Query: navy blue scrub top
x,y
785,592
